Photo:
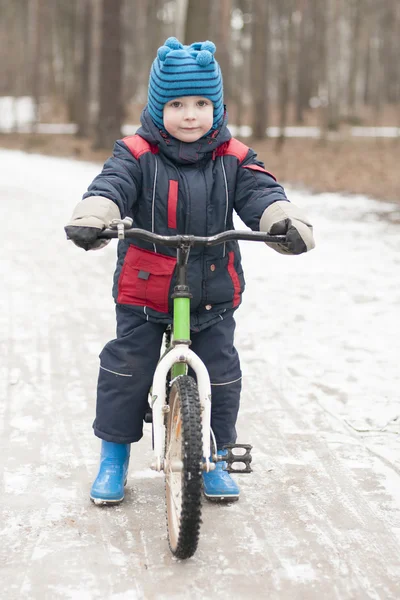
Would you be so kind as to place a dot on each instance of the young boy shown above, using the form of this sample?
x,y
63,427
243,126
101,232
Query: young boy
x,y
182,173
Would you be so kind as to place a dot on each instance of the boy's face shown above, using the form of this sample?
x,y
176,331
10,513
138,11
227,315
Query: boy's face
x,y
188,118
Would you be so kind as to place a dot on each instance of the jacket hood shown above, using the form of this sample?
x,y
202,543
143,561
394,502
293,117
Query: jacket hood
x,y
183,152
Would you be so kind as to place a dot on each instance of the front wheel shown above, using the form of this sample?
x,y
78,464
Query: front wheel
x,y
183,467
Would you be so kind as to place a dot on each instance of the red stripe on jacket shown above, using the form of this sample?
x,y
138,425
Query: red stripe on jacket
x,y
172,203
258,168
235,279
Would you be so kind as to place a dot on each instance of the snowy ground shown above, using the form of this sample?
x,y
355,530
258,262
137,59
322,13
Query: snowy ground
x,y
319,337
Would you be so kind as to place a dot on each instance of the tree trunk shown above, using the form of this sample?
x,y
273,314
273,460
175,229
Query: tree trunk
x,y
180,9
377,66
65,50
389,54
285,19
259,66
36,71
155,27
221,36
333,65
110,116
321,20
197,28
328,27
145,47
356,22
367,70
241,75
302,62
83,100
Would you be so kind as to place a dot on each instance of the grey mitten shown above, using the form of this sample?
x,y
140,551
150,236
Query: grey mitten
x,y
89,218
285,218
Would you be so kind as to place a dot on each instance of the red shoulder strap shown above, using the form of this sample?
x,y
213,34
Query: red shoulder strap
x,y
137,145
258,168
235,148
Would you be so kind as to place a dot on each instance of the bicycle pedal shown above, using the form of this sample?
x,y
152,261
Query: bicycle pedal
x,y
148,416
236,458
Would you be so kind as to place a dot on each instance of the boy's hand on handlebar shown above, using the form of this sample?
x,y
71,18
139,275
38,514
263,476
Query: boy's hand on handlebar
x,y
284,218
85,237
90,217
294,243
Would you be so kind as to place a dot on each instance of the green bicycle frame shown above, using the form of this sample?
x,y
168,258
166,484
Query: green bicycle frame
x,y
181,330
181,313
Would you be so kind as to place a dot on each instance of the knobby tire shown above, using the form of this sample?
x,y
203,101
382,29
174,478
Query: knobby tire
x,y
184,490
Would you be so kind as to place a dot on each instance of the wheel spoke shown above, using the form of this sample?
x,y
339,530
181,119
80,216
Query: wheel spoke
x,y
177,513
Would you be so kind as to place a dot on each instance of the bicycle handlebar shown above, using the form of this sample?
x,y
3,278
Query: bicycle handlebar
x,y
192,240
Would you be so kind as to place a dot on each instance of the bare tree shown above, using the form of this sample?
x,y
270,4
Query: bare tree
x,y
65,53
241,66
304,57
197,26
356,8
38,11
140,50
285,18
336,9
377,62
179,9
220,33
84,64
321,17
259,67
391,32
110,116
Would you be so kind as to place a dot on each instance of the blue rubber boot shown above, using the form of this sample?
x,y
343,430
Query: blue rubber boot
x,y
108,487
218,485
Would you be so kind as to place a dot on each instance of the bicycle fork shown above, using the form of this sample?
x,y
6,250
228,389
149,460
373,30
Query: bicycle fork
x,y
181,353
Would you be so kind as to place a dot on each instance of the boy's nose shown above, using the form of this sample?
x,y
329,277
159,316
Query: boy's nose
x,y
190,114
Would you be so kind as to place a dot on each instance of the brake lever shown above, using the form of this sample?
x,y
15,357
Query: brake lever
x,y
120,225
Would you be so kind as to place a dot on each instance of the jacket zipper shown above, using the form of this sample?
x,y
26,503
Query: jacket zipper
x,y
226,199
187,220
154,200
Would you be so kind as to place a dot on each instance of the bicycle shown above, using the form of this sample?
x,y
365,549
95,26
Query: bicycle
x,y
180,407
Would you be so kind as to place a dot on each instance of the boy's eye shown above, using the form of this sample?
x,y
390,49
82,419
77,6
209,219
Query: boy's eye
x,y
175,104
202,103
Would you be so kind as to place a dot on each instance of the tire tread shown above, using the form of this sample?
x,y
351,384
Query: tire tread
x,y
192,450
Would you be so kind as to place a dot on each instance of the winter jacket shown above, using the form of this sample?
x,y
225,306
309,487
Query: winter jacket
x,y
171,187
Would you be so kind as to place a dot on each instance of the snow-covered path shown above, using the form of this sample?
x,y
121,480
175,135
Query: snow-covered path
x,y
320,343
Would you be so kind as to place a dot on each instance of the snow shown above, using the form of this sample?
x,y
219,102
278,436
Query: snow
x,y
336,331
319,340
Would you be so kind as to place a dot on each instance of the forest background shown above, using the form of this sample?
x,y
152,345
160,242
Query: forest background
x,y
312,85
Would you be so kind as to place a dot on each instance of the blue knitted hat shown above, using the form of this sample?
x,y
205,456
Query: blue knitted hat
x,y
185,71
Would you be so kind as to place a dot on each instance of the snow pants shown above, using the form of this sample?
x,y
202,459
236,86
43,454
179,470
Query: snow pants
x,y
127,365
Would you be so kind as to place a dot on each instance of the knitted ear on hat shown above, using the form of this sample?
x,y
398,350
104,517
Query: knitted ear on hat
x,y
185,71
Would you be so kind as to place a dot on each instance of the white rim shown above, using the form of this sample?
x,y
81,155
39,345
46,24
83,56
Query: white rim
x,y
173,479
